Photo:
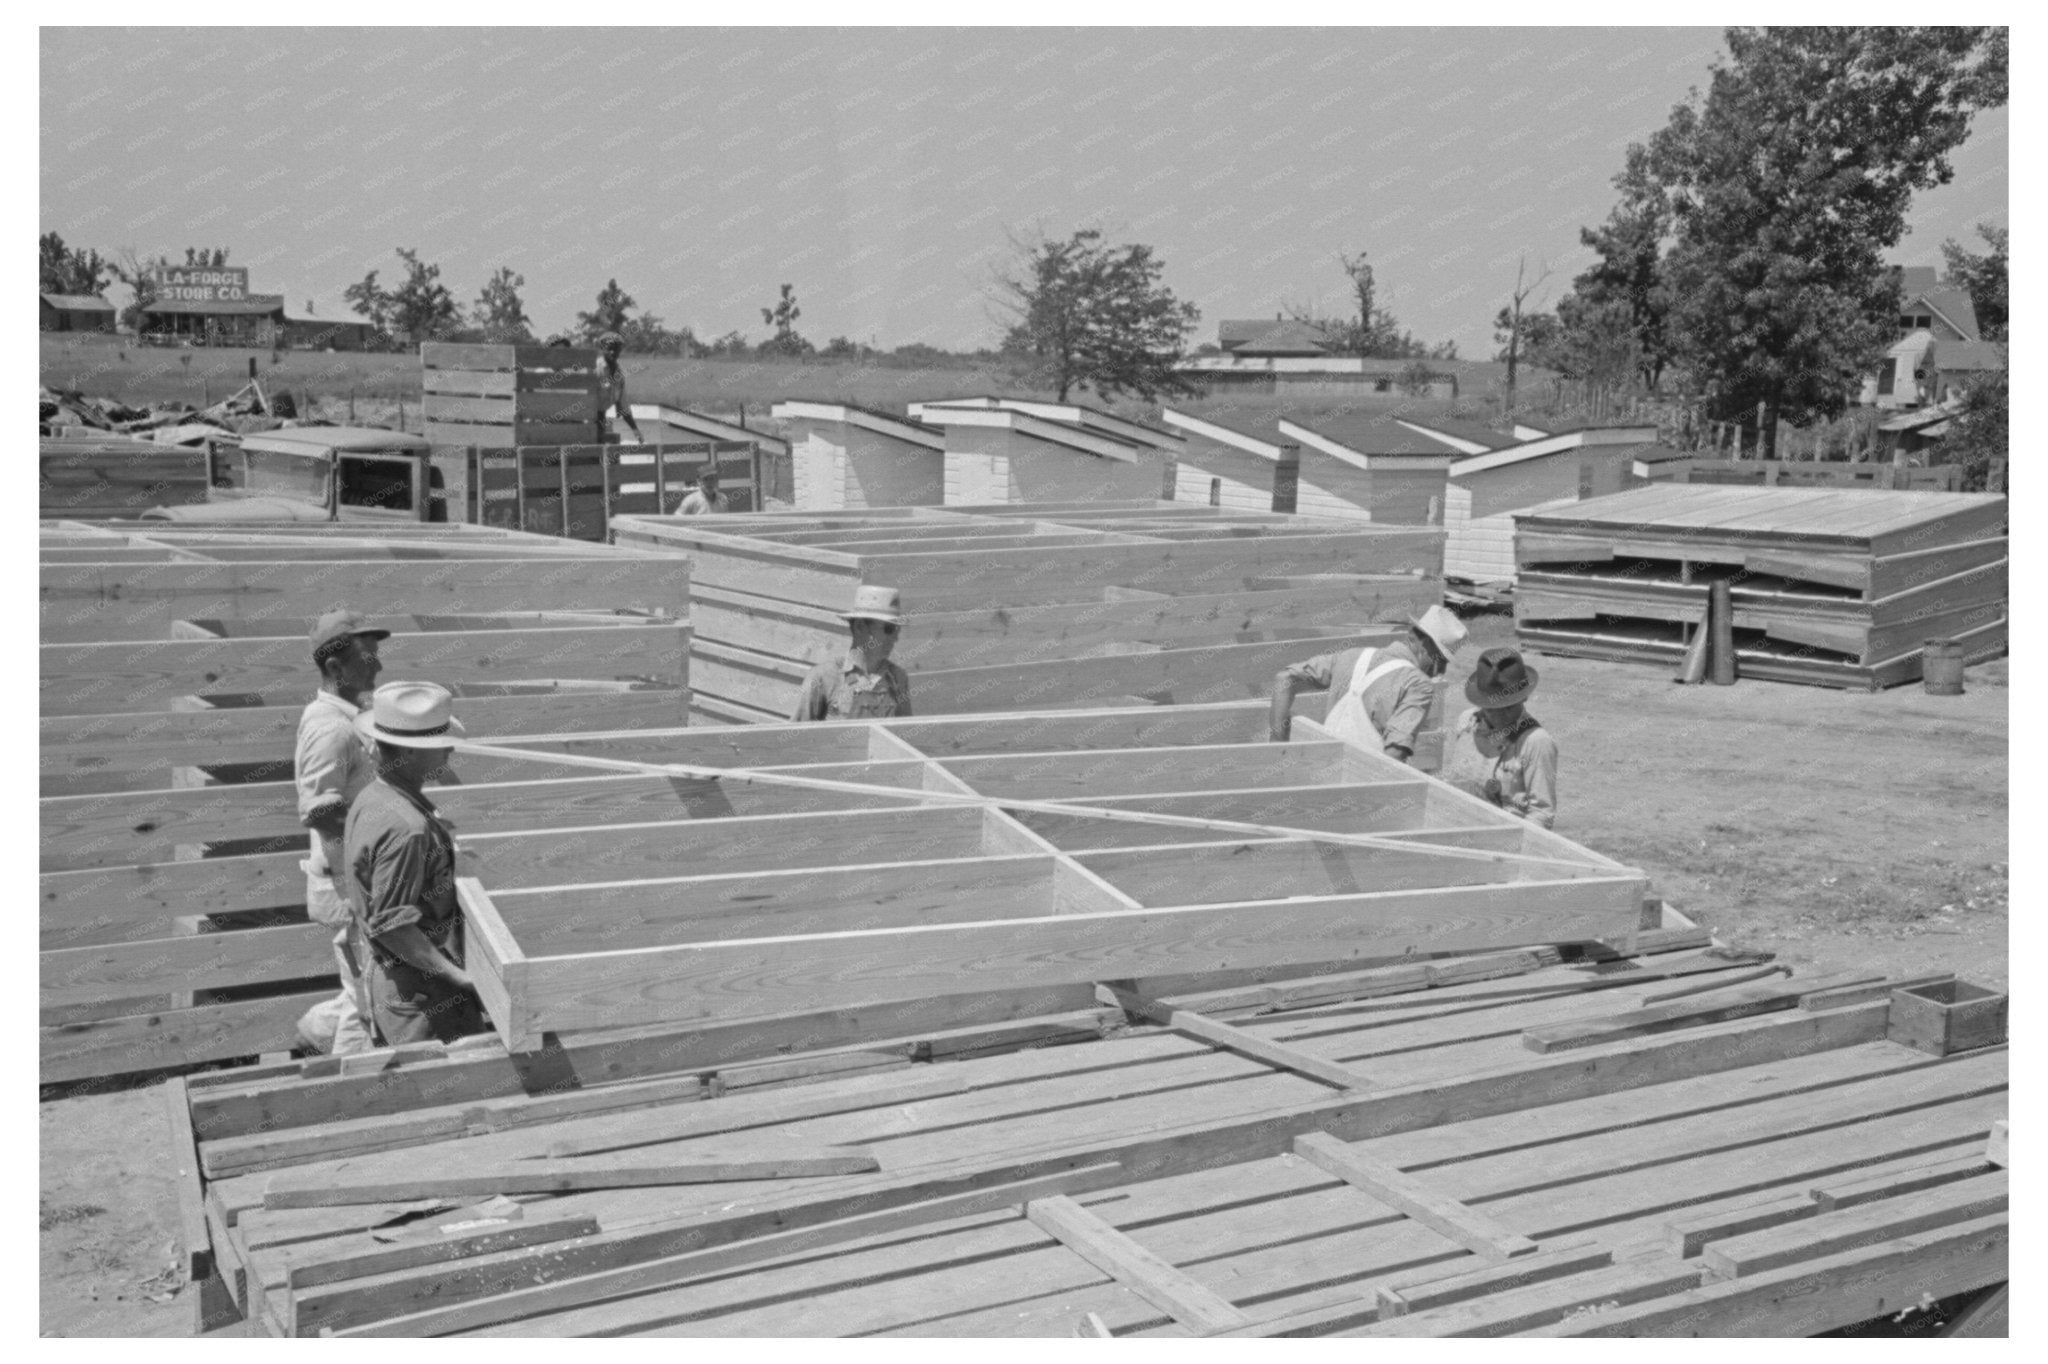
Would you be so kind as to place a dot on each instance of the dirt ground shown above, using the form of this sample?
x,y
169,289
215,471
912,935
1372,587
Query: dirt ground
x,y
1829,827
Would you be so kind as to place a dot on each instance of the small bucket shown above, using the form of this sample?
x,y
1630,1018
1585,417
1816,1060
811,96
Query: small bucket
x,y
1941,667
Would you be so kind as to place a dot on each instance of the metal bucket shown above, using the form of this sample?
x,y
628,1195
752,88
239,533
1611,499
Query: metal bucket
x,y
1941,667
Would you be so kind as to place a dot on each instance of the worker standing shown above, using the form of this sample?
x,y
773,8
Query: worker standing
x,y
611,383
401,873
1524,756
331,765
705,499
862,684
1380,697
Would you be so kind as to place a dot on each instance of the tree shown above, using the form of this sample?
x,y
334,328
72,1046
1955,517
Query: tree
x,y
499,313
1627,283
203,258
645,335
1984,277
613,303
139,275
422,308
783,318
372,301
65,271
1510,318
1097,317
1976,437
1787,183
731,346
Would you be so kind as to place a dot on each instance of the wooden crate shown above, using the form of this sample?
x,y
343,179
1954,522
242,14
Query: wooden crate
x,y
1948,1016
527,488
498,396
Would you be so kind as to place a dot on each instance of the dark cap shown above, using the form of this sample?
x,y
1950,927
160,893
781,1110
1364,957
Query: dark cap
x,y
339,625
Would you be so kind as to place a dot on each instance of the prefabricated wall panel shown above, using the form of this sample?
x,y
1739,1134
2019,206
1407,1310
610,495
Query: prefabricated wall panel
x,y
997,464
841,466
1043,605
173,669
908,904
1839,587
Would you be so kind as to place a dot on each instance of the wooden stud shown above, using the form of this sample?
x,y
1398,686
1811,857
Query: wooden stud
x,y
1847,1193
1467,1226
1227,1038
196,1244
1570,1256
1117,1255
548,1176
1854,1228
1997,1148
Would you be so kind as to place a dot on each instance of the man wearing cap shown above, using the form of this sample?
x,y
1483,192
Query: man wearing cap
x,y
331,764
611,381
705,499
862,684
1379,697
1524,756
401,873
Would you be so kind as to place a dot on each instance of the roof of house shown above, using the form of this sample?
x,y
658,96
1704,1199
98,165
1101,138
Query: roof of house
x,y
1969,355
1367,435
256,305
1951,305
1466,430
1914,278
1249,432
884,423
1282,336
79,302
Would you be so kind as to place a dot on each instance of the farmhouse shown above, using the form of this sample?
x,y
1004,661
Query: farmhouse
x,y
74,313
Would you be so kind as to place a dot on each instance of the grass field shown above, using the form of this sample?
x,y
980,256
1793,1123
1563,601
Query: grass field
x,y
105,367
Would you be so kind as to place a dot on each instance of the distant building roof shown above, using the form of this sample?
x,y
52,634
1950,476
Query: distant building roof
x,y
1282,336
1951,305
1366,435
256,305
78,303
1969,355
1914,278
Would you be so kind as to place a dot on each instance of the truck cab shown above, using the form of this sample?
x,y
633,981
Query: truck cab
x,y
316,473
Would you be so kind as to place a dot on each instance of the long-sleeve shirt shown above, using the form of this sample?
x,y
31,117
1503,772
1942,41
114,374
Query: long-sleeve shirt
x,y
401,869
1398,704
1523,775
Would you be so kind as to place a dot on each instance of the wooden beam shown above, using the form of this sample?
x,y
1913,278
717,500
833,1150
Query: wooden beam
x,y
195,1243
1739,1003
1226,1038
1467,1226
1688,1236
1130,1264
484,1178
1997,1148
1848,1192
1572,1255
212,1032
1853,1228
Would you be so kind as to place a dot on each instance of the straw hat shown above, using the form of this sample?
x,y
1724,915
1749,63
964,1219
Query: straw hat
x,y
1445,630
411,715
876,603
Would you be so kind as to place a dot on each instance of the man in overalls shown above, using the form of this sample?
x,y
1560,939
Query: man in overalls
x,y
1523,779
1379,697
862,684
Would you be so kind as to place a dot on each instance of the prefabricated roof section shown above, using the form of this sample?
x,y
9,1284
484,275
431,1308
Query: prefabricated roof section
x,y
711,428
1075,414
882,423
1025,424
1466,437
1556,443
1224,433
1369,442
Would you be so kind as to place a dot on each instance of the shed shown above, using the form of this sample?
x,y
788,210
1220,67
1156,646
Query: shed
x,y
1231,463
1485,491
1371,468
75,313
327,326
845,457
1002,454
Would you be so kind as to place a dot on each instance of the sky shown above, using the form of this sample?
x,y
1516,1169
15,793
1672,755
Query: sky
x,y
885,173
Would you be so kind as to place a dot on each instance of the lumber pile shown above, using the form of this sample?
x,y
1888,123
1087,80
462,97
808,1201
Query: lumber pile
x,y
173,669
116,476
1136,842
1832,587
500,396
1372,1153
1038,606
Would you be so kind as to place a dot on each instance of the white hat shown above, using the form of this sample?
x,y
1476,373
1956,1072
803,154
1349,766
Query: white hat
x,y
1445,630
876,603
411,715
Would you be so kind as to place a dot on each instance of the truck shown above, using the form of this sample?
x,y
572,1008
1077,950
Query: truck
x,y
317,473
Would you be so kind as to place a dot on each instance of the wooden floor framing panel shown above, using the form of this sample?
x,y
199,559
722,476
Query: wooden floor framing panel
x,y
1143,1181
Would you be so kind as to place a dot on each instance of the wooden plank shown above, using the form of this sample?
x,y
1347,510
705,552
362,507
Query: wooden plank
x,y
555,1296
195,1242
1986,1318
1739,1003
1572,1255
485,1179
1847,1193
1227,1038
1997,1149
85,975
1532,1306
1688,1236
1854,1228
212,1032
1123,1259
484,1240
1467,1226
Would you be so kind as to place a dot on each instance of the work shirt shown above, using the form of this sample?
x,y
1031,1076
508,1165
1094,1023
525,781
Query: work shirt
x,y
1398,703
842,690
331,765
1523,773
696,504
401,870
611,392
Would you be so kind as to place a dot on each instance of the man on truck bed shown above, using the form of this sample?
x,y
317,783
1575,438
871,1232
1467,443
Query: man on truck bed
x,y
705,500
861,684
1379,697
331,764
611,382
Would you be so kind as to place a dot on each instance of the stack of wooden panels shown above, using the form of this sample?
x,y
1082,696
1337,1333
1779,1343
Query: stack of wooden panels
x,y
1836,587
1400,1151
502,396
1029,607
114,475
575,490
835,887
174,667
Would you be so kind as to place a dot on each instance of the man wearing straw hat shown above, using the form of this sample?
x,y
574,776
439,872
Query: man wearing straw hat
x,y
1379,697
1524,756
861,684
401,873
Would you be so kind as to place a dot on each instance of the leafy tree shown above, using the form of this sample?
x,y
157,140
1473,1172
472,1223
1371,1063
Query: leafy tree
x,y
1374,333
1787,183
499,313
202,258
730,346
645,335
1629,275
139,274
1096,316
842,348
783,318
613,303
1984,277
65,271
372,301
422,309
1976,436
